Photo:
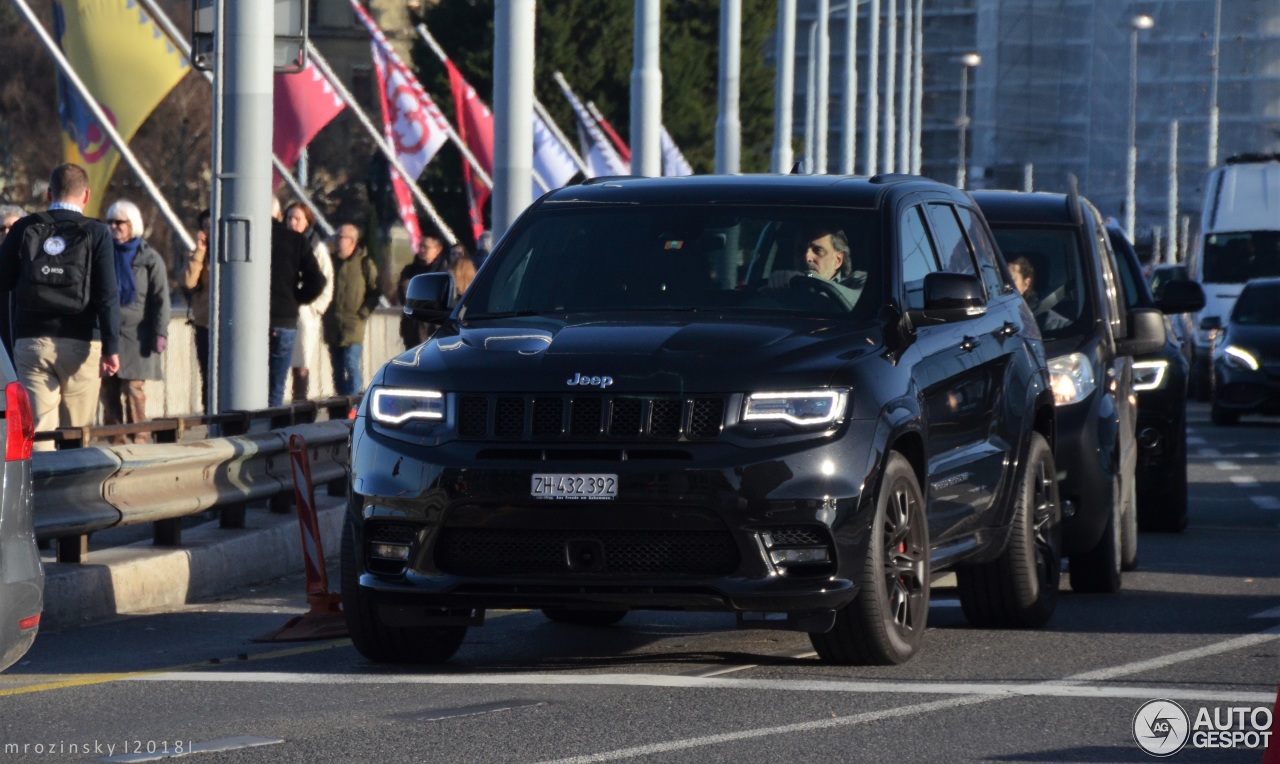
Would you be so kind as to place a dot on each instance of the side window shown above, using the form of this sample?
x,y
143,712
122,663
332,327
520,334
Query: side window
x,y
952,246
919,258
993,273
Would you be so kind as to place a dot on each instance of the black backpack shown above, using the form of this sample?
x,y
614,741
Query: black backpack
x,y
54,274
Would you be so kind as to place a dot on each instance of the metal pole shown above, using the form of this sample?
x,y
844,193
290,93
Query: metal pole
x,y
513,59
849,119
810,104
646,92
1184,236
784,86
1171,249
822,89
1028,177
890,86
242,186
904,130
962,122
537,107
107,125
873,91
175,36
1131,153
1213,84
917,90
728,125
380,141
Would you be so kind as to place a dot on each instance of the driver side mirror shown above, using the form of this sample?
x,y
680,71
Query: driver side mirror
x,y
429,297
950,297
1146,332
1180,296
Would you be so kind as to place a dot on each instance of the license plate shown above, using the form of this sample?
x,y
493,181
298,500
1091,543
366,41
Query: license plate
x,y
574,486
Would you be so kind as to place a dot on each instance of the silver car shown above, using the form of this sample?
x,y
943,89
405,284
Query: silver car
x,y
21,575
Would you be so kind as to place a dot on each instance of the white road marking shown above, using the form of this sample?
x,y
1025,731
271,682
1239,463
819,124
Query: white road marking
x,y
1209,453
1226,465
1196,440
211,746
721,670
1272,613
478,710
1265,502
1244,480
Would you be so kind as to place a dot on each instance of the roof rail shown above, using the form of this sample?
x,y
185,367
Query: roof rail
x,y
606,178
892,176
1251,158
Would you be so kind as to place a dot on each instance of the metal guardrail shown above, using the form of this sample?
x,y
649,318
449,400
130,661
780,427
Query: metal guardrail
x,y
82,490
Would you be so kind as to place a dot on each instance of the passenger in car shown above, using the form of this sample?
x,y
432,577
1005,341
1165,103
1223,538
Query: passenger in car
x,y
1024,278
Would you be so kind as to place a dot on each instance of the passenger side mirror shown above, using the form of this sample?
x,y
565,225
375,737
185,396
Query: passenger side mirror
x,y
1146,332
949,297
1180,296
429,297
1209,323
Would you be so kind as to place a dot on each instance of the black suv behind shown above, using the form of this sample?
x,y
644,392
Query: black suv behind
x,y
1091,335
792,398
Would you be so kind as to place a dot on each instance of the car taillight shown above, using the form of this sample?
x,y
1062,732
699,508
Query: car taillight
x,y
30,622
20,426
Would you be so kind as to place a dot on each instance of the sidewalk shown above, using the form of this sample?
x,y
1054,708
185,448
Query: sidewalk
x,y
141,577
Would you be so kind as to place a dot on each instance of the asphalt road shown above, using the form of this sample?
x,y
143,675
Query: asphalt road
x,y
1198,623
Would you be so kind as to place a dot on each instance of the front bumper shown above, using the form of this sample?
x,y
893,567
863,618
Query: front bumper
x,y
1247,392
706,526
1086,458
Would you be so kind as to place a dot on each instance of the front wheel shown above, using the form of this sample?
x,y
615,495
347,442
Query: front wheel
x,y
1098,570
1019,589
374,639
885,623
1129,533
1223,418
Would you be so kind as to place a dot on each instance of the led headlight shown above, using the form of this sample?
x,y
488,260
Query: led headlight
x,y
805,407
1071,377
1239,358
396,406
1149,375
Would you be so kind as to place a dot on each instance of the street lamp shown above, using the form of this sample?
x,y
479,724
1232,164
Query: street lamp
x,y
967,62
1138,24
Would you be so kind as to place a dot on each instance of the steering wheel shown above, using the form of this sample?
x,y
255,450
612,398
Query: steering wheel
x,y
822,288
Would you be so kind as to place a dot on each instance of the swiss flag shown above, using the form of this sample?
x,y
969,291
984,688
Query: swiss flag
x,y
475,127
304,103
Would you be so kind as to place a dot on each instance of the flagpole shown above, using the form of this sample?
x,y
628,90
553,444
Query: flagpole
x,y
380,141
435,48
175,36
116,139
599,138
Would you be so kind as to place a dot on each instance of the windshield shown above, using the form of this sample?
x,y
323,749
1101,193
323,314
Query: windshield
x,y
1047,260
1234,258
1258,306
607,259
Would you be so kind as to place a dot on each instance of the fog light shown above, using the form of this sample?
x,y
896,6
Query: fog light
x,y
384,551
799,556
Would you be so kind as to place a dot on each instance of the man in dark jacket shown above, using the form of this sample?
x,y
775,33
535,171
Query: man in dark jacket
x,y
62,357
430,259
296,280
355,295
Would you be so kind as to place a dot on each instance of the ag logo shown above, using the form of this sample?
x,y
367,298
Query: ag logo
x,y
1161,727
54,246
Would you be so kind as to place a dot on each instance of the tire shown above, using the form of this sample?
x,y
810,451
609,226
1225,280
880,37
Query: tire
x,y
1019,589
885,623
1129,532
377,641
1165,510
1098,570
1223,418
584,617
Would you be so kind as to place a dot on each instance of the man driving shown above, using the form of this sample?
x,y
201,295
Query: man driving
x,y
826,253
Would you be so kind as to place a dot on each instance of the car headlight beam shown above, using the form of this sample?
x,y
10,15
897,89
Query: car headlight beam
x,y
1239,358
1072,378
1149,375
803,407
395,406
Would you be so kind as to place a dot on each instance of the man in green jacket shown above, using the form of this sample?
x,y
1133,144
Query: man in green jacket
x,y
355,295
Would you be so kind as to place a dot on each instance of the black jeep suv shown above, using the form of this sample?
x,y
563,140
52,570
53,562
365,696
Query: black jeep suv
x,y
1058,248
791,398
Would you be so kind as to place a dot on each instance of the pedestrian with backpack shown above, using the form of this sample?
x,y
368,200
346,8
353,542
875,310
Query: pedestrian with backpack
x,y
144,320
60,265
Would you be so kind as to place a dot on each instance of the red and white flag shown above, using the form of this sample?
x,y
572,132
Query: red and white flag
x,y
304,103
413,124
475,127
673,161
601,157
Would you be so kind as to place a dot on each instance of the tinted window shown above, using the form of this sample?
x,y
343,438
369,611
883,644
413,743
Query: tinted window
x,y
681,258
1059,292
1258,305
952,245
918,256
1234,258
988,262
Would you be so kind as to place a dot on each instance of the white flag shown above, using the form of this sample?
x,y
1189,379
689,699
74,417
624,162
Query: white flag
x,y
551,159
601,157
673,162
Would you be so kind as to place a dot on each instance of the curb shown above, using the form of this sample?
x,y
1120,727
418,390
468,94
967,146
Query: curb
x,y
142,577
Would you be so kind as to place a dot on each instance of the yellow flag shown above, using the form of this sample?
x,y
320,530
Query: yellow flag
x,y
127,63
